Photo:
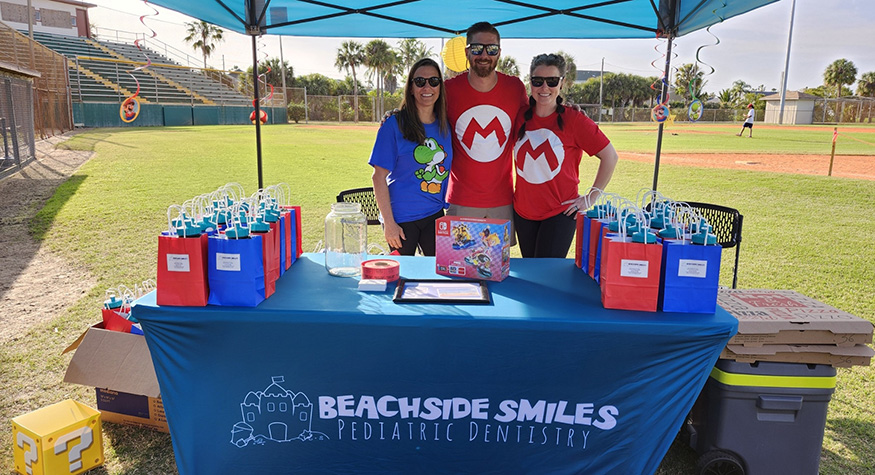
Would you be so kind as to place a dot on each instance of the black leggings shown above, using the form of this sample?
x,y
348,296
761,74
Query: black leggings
x,y
550,237
419,234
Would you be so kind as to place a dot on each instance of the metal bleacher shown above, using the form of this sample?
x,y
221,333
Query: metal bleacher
x,y
193,80
100,71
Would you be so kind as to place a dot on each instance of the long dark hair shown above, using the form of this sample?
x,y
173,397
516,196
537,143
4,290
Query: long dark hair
x,y
544,60
408,117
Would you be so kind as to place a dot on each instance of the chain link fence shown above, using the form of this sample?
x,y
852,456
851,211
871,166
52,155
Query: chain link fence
x,y
34,97
16,123
844,110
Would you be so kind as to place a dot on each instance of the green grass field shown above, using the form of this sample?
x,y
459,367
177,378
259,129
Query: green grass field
x,y
812,234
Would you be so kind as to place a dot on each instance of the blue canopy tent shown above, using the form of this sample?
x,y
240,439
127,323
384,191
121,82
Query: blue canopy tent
x,y
584,19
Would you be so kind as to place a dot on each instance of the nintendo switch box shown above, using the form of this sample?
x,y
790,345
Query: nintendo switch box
x,y
472,248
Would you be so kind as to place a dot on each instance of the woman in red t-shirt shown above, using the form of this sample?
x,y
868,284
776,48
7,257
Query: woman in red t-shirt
x,y
550,143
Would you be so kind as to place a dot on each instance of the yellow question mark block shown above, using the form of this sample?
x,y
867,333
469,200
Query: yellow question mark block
x,y
64,438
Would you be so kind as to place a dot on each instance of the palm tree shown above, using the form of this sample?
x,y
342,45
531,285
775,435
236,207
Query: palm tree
x,y
688,82
274,77
379,57
203,36
508,65
839,73
411,50
570,71
866,85
349,55
726,98
392,71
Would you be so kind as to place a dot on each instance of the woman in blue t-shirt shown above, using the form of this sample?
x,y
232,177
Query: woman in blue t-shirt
x,y
411,160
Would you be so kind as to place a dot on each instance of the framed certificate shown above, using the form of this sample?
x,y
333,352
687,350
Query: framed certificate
x,y
441,291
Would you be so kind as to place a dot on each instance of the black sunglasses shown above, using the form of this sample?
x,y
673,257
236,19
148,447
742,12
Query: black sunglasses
x,y
538,81
477,49
433,81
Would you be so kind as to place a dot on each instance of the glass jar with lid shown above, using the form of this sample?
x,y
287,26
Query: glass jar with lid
x,y
346,240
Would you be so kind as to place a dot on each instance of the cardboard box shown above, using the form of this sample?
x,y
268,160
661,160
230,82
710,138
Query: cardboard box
x,y
62,438
472,248
840,356
769,317
119,366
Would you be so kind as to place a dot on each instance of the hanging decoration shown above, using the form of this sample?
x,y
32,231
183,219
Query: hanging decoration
x,y
696,107
262,116
453,54
130,107
660,113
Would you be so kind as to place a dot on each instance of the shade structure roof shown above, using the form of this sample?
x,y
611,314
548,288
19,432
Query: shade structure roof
x,y
445,18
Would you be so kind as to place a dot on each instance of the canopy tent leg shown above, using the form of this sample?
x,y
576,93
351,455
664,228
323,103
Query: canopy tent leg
x,y
255,102
661,124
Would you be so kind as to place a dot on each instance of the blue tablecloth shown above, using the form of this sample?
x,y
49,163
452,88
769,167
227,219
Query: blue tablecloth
x,y
321,378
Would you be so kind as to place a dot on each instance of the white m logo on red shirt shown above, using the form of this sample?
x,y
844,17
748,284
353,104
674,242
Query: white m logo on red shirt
x,y
483,132
539,156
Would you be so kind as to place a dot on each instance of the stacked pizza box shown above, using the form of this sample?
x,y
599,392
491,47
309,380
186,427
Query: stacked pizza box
x,y
785,326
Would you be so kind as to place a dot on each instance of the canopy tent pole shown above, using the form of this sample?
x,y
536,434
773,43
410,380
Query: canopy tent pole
x,y
662,97
257,107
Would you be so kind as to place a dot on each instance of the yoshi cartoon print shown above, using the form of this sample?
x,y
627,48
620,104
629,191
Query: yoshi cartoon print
x,y
432,155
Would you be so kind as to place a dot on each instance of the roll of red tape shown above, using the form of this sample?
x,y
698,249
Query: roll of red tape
x,y
385,269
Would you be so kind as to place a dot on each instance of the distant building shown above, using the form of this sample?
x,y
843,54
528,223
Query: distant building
x,y
58,17
798,108
583,75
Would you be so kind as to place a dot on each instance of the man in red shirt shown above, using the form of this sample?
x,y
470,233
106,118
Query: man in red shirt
x,y
482,105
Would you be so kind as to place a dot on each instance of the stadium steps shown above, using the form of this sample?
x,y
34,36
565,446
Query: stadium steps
x,y
101,80
151,72
193,79
104,67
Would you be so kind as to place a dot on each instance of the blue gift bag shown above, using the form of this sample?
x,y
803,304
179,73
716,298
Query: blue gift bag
x,y
236,271
690,277
584,243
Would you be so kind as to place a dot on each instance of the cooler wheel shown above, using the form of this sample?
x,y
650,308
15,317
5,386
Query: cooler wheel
x,y
719,462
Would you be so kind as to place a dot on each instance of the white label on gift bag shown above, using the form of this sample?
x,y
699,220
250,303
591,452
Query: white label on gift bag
x,y
228,262
178,263
692,268
630,268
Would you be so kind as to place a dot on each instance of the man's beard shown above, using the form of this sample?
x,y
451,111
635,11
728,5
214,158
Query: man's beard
x,y
482,70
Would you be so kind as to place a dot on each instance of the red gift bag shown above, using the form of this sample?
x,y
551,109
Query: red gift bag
x,y
270,256
287,237
298,229
182,271
114,320
630,274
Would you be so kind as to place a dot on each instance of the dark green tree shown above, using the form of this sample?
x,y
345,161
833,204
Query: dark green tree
x,y
866,85
350,55
204,37
508,65
840,73
317,84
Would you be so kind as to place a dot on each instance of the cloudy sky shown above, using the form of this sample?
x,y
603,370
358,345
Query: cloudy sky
x,y
752,47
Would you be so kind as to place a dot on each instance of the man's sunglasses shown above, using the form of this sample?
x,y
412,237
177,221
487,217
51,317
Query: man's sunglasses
x,y
477,49
433,81
538,81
